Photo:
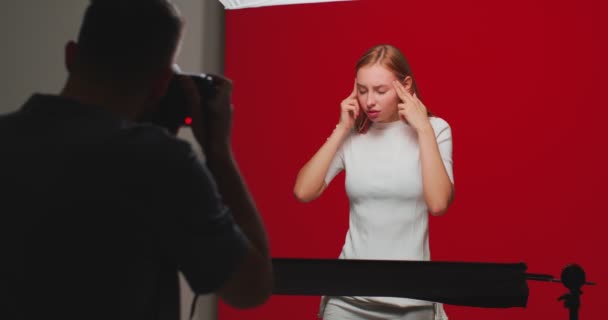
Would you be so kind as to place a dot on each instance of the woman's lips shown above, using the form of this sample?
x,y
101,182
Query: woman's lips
x,y
373,114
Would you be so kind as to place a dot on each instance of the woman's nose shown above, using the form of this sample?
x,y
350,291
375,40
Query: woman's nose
x,y
370,100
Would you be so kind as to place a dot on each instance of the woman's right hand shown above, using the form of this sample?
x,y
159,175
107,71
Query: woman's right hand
x,y
349,109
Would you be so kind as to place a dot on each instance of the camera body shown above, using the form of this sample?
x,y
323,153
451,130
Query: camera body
x,y
173,110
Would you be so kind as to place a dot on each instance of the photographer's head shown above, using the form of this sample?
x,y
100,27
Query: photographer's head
x,y
125,49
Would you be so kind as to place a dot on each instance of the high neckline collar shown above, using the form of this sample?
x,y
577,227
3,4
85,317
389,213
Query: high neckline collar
x,y
387,125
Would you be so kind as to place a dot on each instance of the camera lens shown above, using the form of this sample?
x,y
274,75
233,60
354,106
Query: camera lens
x,y
173,110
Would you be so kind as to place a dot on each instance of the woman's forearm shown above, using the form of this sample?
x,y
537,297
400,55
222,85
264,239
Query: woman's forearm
x,y
437,187
310,181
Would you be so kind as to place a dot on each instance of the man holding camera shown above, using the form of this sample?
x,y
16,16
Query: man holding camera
x,y
100,211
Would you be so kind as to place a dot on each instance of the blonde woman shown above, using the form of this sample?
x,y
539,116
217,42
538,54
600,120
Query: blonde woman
x,y
397,158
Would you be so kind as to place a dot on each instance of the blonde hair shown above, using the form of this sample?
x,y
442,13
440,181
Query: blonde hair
x,y
392,59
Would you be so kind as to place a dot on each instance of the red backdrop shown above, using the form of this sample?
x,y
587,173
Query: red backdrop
x,y
520,83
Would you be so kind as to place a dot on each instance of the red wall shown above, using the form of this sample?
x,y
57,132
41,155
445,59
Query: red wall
x,y
519,81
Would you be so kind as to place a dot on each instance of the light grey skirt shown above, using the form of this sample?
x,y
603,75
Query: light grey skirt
x,y
334,308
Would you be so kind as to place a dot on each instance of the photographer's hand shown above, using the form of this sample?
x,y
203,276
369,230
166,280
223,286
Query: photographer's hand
x,y
211,130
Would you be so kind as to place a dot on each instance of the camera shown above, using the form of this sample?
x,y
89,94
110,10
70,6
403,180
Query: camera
x,y
173,110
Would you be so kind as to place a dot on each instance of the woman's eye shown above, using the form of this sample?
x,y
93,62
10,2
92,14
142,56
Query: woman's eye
x,y
381,92
362,92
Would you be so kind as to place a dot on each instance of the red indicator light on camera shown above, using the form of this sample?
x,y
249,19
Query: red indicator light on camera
x,y
188,121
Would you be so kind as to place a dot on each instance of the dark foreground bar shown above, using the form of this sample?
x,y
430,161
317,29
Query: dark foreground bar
x,y
487,285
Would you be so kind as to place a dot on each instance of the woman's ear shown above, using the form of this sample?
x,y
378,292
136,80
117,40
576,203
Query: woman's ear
x,y
408,84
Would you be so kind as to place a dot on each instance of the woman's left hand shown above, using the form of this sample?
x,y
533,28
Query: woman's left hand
x,y
411,109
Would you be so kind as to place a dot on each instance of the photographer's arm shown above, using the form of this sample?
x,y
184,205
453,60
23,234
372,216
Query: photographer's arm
x,y
251,284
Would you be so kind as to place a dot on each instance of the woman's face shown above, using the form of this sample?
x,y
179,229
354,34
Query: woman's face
x,y
376,94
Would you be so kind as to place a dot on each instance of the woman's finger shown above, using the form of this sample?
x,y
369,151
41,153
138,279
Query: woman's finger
x,y
354,110
401,93
354,93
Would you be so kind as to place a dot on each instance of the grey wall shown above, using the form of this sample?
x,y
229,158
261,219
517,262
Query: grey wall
x,y
33,34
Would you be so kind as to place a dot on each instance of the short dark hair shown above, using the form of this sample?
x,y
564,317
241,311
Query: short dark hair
x,y
132,38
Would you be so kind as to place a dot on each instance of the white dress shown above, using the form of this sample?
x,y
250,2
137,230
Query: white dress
x,y
388,214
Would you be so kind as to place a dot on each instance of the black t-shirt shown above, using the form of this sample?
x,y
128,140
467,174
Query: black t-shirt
x,y
98,214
